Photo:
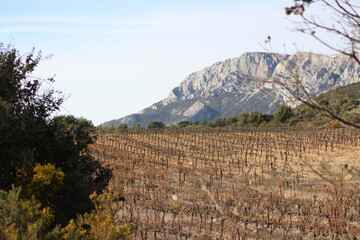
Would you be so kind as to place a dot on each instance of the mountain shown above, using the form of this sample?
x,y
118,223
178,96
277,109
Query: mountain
x,y
236,85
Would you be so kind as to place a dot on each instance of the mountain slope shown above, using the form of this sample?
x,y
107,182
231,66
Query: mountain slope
x,y
233,86
343,102
346,92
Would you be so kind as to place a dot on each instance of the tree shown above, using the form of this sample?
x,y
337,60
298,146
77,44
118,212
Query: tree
x,y
122,126
268,117
24,112
183,124
156,125
283,113
243,119
231,121
219,122
255,118
68,149
48,157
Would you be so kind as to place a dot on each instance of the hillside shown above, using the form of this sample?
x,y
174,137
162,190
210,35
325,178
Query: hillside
x,y
233,86
346,92
343,101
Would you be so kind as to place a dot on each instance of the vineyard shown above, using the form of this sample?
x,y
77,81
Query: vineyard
x,y
236,184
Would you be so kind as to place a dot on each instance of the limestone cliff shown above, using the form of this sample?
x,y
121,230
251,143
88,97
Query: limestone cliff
x,y
237,85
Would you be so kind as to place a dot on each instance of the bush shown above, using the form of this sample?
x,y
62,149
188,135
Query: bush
x,y
218,122
335,124
22,219
283,113
83,175
27,219
156,125
255,118
43,182
184,124
231,121
100,223
243,119
122,126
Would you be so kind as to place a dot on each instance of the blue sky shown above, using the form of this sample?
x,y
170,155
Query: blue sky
x,y
115,57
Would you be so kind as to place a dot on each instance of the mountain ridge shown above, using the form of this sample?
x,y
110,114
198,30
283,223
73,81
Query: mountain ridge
x,y
234,85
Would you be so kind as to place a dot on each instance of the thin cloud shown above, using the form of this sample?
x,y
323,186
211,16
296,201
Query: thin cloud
x,y
188,23
68,25
74,30
92,21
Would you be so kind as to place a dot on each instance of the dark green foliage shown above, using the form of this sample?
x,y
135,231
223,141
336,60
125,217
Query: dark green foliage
x,y
283,113
268,117
29,136
255,118
184,124
202,123
136,127
156,124
243,119
24,113
218,122
83,175
231,121
122,126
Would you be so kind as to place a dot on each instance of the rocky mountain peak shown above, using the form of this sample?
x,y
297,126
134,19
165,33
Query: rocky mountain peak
x,y
232,86
224,75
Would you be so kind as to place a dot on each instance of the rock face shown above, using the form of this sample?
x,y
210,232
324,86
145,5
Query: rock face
x,y
239,85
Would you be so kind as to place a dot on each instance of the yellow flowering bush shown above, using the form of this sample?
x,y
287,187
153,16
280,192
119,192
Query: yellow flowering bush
x,y
74,231
334,124
43,181
22,219
47,177
100,224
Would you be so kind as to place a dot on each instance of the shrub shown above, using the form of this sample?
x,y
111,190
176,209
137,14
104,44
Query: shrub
x,y
335,124
22,219
155,125
255,118
243,119
283,113
100,223
122,126
43,182
184,124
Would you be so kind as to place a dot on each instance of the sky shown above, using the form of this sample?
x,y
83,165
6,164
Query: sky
x,y
112,58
